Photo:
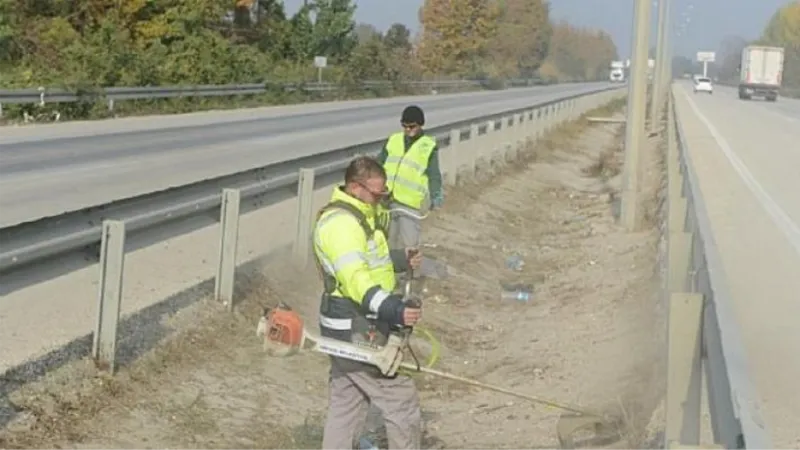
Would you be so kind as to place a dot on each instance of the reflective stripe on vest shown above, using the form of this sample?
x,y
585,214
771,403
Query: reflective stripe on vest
x,y
405,171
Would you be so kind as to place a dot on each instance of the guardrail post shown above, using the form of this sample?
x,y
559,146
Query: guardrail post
x,y
684,339
519,131
474,149
305,197
491,145
451,157
544,120
555,119
112,267
527,129
521,122
228,244
508,139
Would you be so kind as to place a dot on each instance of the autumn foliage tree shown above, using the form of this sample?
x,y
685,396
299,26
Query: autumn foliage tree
x,y
784,30
89,44
578,53
522,40
508,39
457,35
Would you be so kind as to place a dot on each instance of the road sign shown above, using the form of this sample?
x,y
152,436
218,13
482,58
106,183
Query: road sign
x,y
706,57
320,62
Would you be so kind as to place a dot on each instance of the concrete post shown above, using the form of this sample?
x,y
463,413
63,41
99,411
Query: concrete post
x,y
637,104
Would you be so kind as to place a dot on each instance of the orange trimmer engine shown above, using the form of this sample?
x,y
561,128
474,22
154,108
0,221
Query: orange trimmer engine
x,y
284,332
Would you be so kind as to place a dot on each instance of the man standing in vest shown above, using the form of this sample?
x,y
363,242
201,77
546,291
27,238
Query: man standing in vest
x,y
359,305
411,160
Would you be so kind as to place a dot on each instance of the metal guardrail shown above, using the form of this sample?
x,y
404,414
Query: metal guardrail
x,y
44,95
703,334
106,232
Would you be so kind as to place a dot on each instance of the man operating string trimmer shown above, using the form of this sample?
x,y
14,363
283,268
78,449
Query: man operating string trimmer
x,y
359,306
366,327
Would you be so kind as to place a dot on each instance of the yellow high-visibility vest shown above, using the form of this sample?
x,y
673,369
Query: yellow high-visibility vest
x,y
354,260
405,171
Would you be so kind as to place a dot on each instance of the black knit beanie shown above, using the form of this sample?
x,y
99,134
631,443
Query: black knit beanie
x,y
413,114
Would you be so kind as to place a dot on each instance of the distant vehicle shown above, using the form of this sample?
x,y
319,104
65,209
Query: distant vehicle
x,y
761,72
703,84
617,75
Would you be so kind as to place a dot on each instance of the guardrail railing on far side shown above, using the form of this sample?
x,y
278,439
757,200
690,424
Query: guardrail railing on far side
x,y
465,146
44,95
703,334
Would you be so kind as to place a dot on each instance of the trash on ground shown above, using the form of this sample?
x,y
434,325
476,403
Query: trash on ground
x,y
517,292
515,262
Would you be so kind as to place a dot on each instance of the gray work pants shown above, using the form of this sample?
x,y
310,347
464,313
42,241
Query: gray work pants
x,y
404,231
352,391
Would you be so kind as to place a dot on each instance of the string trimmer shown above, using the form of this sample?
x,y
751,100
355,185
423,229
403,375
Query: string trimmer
x,y
284,334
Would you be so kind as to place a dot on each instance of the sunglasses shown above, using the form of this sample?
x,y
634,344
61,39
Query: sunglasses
x,y
380,194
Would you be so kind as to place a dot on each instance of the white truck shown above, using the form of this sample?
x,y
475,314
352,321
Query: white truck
x,y
617,72
760,72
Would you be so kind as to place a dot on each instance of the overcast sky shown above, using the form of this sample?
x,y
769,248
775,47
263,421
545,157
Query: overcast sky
x,y
709,21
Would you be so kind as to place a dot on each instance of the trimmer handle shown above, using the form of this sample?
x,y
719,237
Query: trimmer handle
x,y
407,294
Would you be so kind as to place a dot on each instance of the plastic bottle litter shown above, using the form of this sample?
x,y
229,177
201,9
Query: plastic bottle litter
x,y
515,262
517,292
519,296
364,443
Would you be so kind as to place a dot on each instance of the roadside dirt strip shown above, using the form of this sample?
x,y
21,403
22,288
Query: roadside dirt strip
x,y
591,334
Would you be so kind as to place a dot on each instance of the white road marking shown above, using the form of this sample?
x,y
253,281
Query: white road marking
x,y
789,228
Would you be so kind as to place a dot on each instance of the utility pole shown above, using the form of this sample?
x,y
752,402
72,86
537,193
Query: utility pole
x,y
668,75
666,69
637,109
661,59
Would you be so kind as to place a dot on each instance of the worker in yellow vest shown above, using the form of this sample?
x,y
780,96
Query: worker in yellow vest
x,y
360,305
411,160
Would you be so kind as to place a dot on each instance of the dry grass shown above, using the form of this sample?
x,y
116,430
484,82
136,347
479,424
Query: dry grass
x,y
172,396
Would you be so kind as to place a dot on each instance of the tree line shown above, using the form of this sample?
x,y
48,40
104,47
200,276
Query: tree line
x,y
100,43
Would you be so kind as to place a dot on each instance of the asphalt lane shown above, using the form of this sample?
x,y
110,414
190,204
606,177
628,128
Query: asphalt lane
x,y
48,170
747,158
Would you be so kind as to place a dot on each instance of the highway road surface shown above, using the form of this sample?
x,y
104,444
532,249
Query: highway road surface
x,y
50,169
747,157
